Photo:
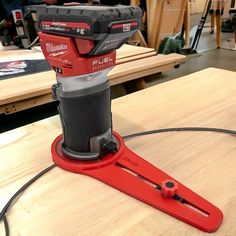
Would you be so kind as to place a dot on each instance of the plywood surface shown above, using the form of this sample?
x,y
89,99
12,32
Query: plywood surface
x,y
63,203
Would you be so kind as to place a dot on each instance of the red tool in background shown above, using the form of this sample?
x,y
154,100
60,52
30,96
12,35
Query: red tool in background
x,y
79,43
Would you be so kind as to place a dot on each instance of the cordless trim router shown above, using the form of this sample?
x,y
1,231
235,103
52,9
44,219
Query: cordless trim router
x,y
79,43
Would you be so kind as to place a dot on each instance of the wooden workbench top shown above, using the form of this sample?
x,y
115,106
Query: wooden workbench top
x,y
132,62
63,203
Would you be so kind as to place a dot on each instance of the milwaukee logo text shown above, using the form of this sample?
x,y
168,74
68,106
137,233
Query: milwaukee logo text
x,y
50,47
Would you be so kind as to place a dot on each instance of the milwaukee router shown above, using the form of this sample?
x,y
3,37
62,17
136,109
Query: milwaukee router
x,y
79,43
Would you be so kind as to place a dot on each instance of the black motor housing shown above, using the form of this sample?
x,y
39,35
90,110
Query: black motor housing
x,y
85,114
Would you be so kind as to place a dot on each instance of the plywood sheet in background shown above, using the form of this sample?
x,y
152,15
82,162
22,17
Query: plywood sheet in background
x,y
197,6
164,18
172,19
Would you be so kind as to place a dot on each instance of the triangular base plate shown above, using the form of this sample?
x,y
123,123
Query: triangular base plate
x,y
131,174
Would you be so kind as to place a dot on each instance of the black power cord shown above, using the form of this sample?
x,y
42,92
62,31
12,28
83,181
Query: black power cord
x,y
24,187
156,131
7,231
181,129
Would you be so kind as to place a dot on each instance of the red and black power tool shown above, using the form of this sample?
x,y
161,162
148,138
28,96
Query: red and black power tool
x,y
79,43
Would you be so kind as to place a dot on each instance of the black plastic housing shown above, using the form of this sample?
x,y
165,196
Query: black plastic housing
x,y
108,27
83,117
98,17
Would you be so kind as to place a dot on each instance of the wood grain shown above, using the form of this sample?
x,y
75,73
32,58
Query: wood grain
x,y
63,203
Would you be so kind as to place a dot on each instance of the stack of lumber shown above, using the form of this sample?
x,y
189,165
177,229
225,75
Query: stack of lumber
x,y
133,63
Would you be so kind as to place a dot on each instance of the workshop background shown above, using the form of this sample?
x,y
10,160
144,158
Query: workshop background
x,y
175,77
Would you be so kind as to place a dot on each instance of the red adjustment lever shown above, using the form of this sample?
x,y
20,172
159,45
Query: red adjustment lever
x,y
131,174
169,188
